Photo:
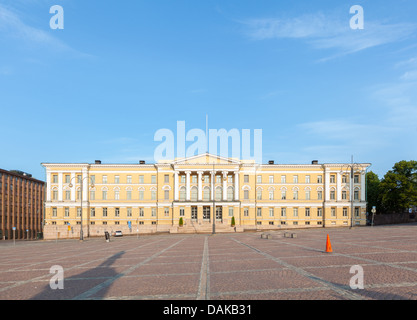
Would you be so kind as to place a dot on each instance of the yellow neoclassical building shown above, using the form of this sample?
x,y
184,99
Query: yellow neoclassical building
x,y
147,198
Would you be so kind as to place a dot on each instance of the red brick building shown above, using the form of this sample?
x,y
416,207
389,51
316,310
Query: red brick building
x,y
21,205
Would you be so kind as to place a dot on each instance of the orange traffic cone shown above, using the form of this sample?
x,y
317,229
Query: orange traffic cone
x,y
328,245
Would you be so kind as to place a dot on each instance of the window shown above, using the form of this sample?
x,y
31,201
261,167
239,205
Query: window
x,y
271,179
104,212
218,179
206,194
66,212
117,212
67,195
307,179
283,212
78,194
356,178
295,194
219,193
79,178
356,194
153,212
345,212
54,212
307,212
194,179
166,194
129,194
93,179
259,212
308,194
333,212
116,195
182,194
206,213
78,212
181,211
104,179
55,194
283,194
295,179
344,179
230,179
141,212
230,194
246,194
332,194
259,194
259,179
271,212
116,179
166,212
166,178
194,194
67,178
230,211
194,213
332,178
319,179
92,212
246,212
141,180
356,212
141,194
283,179
92,195
153,195
55,178
344,195
246,178
319,212
129,179
206,178
319,195
182,179
153,179
271,194
295,212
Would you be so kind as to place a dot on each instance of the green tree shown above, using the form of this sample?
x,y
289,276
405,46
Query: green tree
x,y
373,195
398,188
233,221
181,222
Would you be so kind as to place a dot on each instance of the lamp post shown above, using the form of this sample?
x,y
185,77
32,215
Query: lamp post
x,y
214,204
352,168
81,200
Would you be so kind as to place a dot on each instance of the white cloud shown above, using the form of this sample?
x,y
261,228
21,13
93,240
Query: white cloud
x,y
329,32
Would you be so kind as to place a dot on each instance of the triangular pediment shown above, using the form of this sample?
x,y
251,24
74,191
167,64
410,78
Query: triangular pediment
x,y
206,158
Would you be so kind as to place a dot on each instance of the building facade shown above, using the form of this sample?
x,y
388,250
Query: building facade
x,y
21,205
146,198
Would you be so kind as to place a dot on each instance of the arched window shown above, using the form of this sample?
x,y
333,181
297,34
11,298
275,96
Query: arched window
x,y
230,193
219,191
194,192
206,194
182,194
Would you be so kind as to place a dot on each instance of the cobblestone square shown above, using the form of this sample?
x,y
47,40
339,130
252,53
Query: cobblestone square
x,y
231,266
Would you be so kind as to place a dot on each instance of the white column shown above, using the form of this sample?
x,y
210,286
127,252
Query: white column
x,y
213,184
60,186
73,181
224,185
48,185
339,186
200,185
327,185
237,185
363,189
187,186
176,189
85,184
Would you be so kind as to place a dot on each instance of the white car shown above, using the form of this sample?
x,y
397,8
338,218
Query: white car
x,y
118,234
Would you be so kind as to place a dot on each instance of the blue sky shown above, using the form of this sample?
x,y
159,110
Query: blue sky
x,y
121,70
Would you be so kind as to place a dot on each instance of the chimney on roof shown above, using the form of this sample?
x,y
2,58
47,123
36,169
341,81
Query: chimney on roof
x,y
98,161
141,161
271,162
315,162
